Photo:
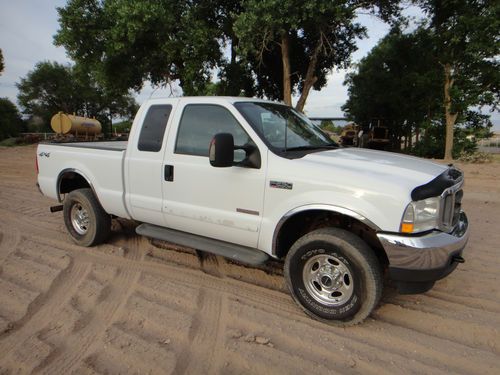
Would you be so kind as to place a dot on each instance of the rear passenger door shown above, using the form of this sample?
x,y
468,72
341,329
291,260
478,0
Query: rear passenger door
x,y
221,203
144,164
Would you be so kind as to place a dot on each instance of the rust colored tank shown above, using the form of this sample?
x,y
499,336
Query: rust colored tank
x,y
63,123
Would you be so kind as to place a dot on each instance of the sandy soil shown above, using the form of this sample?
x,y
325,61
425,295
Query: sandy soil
x,y
136,307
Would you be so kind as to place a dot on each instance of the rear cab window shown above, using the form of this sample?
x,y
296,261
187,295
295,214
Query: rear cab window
x,y
153,128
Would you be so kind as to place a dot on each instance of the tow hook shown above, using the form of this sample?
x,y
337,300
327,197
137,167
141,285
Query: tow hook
x,y
56,208
458,259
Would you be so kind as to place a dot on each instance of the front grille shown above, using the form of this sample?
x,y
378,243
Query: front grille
x,y
457,207
451,209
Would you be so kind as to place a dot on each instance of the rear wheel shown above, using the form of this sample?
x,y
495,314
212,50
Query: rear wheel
x,y
334,276
85,219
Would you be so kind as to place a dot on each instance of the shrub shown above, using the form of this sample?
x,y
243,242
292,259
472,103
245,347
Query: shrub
x,y
475,157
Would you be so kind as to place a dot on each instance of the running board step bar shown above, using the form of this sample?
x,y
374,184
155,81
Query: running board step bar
x,y
238,253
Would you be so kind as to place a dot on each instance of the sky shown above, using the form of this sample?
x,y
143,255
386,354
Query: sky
x,y
27,28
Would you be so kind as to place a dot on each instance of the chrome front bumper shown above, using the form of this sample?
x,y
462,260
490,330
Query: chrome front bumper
x,y
425,258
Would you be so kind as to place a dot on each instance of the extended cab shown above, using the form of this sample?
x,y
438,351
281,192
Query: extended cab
x,y
250,179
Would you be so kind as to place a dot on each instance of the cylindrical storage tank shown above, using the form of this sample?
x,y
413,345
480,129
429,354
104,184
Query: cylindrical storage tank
x,y
63,123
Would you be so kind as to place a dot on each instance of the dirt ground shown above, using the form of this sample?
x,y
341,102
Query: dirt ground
x,y
135,307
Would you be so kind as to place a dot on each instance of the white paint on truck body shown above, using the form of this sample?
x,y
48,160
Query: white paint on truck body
x,y
235,204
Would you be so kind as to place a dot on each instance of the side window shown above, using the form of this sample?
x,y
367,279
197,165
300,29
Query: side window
x,y
153,128
199,124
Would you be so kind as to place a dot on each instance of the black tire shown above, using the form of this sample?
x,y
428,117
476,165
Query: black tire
x,y
334,276
86,221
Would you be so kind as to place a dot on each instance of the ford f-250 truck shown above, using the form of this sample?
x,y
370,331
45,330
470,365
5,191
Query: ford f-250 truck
x,y
250,179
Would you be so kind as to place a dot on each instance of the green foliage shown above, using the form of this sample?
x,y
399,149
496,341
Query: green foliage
x,y
329,126
10,120
401,81
47,90
9,142
465,36
128,42
321,36
466,45
122,126
52,87
397,83
431,145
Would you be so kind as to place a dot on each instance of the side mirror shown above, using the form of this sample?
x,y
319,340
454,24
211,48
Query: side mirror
x,y
221,151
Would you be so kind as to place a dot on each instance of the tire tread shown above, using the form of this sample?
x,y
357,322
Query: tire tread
x,y
374,272
102,218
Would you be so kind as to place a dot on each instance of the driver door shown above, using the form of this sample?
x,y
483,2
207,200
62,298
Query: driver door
x,y
221,203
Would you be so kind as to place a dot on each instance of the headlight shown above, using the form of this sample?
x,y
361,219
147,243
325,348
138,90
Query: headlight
x,y
421,215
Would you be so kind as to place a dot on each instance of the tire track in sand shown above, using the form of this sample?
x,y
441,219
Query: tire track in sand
x,y
97,315
9,240
32,273
18,346
202,354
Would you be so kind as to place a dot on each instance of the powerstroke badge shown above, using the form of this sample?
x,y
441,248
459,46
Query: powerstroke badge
x,y
281,185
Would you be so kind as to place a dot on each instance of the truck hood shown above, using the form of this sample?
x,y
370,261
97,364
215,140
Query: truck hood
x,y
381,167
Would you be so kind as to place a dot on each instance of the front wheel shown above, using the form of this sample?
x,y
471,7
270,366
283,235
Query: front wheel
x,y
334,276
85,219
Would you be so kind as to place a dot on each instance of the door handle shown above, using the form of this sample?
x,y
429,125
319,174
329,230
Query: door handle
x,y
168,174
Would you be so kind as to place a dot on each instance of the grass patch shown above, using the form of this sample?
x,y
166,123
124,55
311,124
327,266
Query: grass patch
x,y
8,142
495,158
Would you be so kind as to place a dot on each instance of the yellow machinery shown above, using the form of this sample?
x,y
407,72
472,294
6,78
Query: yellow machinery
x,y
349,135
78,126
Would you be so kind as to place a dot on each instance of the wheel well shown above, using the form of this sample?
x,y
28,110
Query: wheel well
x,y
307,221
70,181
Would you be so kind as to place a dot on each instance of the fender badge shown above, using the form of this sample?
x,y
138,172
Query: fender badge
x,y
281,185
46,154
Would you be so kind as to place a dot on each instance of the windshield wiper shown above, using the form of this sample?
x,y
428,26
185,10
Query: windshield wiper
x,y
310,147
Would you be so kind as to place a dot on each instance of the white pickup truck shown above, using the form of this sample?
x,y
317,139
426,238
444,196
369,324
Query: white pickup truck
x,y
250,179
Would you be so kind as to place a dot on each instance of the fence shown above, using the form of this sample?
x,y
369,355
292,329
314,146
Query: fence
x,y
491,145
490,142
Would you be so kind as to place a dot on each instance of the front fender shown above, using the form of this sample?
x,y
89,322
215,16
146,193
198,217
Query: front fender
x,y
377,212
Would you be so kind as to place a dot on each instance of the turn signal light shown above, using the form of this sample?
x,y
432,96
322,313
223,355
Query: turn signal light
x,y
407,227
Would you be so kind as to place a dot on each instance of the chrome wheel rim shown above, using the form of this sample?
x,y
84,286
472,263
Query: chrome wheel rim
x,y
328,280
79,219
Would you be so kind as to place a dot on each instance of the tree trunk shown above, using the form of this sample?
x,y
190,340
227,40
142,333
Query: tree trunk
x,y
450,117
285,58
111,122
234,45
310,79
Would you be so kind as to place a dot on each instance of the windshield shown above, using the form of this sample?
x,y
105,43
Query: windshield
x,y
282,127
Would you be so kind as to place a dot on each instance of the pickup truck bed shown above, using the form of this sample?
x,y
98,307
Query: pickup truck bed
x,y
100,164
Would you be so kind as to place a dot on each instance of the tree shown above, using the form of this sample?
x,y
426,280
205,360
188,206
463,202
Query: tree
x,y
2,65
400,83
396,84
467,47
311,37
10,120
52,87
128,42
47,90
